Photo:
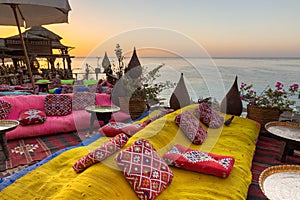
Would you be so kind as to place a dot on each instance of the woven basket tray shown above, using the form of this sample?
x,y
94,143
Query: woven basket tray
x,y
281,182
263,115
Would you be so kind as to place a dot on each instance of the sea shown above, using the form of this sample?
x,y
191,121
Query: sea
x,y
209,77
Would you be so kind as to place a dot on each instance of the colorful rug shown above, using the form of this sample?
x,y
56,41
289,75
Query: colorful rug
x,y
266,155
28,151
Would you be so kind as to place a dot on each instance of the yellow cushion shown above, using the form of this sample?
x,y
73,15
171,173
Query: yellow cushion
x,y
57,179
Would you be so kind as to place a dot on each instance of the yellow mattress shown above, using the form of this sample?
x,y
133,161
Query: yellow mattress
x,y
57,179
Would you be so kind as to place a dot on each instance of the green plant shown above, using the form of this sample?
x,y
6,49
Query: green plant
x,y
277,97
146,87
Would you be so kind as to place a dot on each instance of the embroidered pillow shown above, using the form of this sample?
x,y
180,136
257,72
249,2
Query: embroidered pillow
x,y
207,163
101,153
82,100
114,128
5,109
33,116
143,168
208,116
58,105
191,127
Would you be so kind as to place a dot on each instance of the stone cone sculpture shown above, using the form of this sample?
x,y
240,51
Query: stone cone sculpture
x,y
232,103
180,97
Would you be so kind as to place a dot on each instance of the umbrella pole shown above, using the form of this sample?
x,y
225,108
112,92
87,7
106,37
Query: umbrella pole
x,y
23,45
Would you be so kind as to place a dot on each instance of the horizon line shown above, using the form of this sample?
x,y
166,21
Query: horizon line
x,y
213,57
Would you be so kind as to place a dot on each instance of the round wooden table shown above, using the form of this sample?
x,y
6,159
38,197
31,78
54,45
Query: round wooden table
x,y
101,113
43,86
288,133
5,126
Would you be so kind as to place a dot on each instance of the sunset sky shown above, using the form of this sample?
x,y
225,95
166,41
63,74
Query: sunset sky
x,y
232,28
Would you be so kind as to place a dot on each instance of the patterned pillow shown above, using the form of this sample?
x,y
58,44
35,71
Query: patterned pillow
x,y
93,88
207,163
143,168
5,109
33,116
191,127
114,128
82,100
67,89
58,105
101,153
208,116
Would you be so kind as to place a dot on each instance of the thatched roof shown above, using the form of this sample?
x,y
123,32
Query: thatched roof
x,y
38,32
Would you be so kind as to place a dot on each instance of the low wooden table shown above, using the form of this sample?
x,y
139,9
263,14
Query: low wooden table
x,y
43,86
288,133
5,126
101,113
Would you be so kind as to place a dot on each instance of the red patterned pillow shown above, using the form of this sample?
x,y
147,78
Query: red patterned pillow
x,y
58,105
191,127
33,116
82,100
114,128
146,172
199,161
5,109
208,116
101,153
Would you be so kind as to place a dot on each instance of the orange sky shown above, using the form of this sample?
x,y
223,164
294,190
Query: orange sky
x,y
222,28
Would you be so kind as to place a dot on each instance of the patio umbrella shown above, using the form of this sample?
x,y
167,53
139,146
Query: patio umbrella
x,y
27,13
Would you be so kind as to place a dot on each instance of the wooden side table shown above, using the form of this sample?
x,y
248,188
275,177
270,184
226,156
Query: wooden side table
x,y
5,126
43,86
101,113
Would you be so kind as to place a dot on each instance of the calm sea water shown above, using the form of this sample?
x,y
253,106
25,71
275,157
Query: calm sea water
x,y
213,77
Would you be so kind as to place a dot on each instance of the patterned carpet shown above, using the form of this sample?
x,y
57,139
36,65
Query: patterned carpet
x,y
26,152
266,155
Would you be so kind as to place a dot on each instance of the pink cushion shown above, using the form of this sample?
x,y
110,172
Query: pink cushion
x,y
101,153
191,127
114,128
207,163
5,108
81,100
208,116
58,105
33,116
143,168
